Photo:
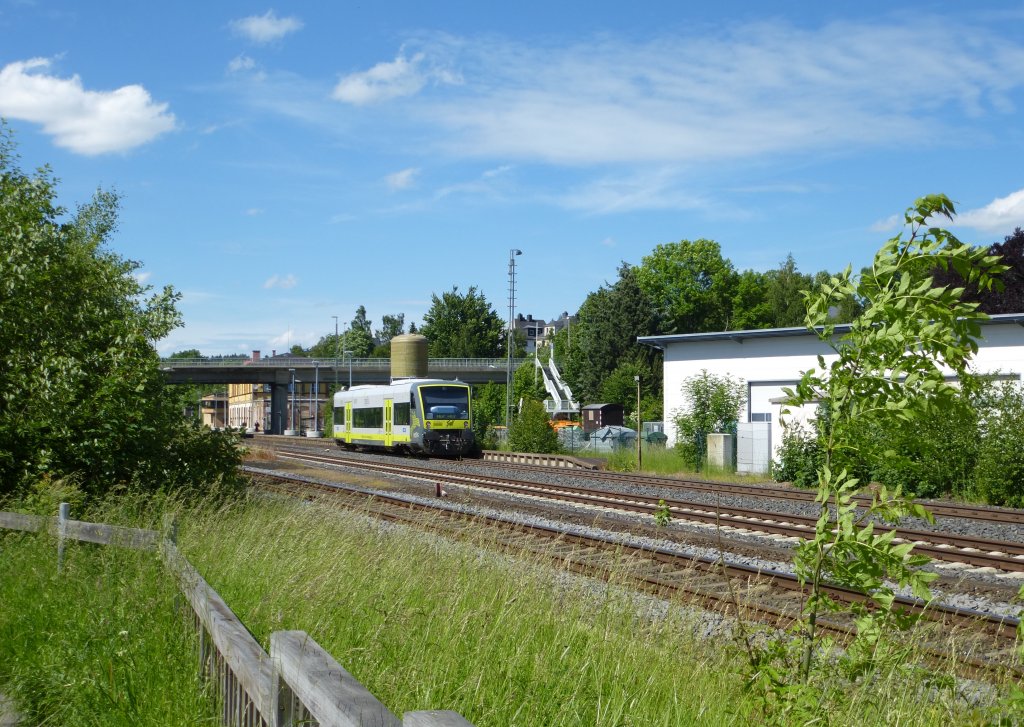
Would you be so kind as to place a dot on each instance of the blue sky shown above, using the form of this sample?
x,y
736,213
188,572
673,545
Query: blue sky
x,y
282,164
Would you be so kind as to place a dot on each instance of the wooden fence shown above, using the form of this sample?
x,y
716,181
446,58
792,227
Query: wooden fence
x,y
296,683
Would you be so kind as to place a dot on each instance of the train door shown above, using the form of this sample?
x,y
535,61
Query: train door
x,y
348,422
388,430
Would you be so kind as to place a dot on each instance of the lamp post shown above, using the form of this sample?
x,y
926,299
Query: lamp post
x,y
639,426
348,353
510,337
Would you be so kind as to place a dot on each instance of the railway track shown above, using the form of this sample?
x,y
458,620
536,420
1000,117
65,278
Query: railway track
x,y
981,642
981,553
940,509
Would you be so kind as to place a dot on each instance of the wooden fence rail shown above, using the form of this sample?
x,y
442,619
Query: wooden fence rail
x,y
296,683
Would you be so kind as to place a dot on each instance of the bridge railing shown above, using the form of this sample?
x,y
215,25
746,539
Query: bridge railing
x,y
343,363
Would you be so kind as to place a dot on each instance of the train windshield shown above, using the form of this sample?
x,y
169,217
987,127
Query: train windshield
x,y
445,402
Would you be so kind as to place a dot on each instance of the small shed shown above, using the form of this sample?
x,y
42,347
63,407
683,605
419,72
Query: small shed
x,y
596,416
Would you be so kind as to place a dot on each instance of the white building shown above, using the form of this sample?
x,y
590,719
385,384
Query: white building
x,y
769,359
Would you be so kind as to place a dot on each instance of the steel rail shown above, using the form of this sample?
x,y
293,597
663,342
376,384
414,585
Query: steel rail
x,y
949,547
675,571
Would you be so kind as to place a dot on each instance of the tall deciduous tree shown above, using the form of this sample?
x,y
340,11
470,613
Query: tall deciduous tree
x,y
690,284
463,326
81,391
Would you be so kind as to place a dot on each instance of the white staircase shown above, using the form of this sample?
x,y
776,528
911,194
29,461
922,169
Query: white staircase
x,y
561,401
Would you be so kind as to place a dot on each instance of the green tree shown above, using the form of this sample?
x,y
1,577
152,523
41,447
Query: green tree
x,y
690,284
889,368
463,326
328,347
609,322
527,383
488,411
785,294
81,391
391,326
531,430
750,304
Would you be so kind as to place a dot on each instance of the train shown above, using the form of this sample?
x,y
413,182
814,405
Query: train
x,y
430,417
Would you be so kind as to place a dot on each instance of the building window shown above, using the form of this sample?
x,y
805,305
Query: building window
x,y
760,417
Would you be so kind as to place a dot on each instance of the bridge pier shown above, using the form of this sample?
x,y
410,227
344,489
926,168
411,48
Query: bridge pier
x,y
279,403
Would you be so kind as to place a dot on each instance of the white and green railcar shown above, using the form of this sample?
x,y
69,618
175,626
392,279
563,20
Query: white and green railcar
x,y
424,416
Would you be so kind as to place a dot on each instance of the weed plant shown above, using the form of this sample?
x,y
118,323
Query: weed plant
x,y
100,643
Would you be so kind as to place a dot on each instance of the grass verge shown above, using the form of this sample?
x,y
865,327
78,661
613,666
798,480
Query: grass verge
x,y
100,643
427,624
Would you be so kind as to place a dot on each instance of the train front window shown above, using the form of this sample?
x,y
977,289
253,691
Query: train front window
x,y
445,402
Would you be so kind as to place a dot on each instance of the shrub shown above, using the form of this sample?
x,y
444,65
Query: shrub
x,y
999,475
531,431
799,457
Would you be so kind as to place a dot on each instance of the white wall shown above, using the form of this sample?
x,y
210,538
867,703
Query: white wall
x,y
767,364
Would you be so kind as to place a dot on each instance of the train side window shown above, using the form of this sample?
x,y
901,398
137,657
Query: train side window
x,y
339,415
400,414
412,401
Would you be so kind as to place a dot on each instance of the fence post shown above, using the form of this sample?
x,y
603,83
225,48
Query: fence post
x,y
171,527
63,515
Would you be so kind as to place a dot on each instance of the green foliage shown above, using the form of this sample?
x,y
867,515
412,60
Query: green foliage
x,y
488,411
800,457
691,285
712,403
463,326
889,368
528,383
662,515
604,338
81,392
531,431
999,475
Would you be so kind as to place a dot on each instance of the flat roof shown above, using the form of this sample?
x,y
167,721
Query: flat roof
x,y
740,336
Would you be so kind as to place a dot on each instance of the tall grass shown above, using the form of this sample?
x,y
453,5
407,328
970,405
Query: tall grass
x,y
100,643
426,624
423,622
667,461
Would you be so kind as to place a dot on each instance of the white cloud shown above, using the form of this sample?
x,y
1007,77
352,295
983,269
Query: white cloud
x,y
284,339
403,179
608,242
748,92
241,63
890,224
1000,215
278,281
266,28
143,277
254,212
652,190
385,81
86,122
